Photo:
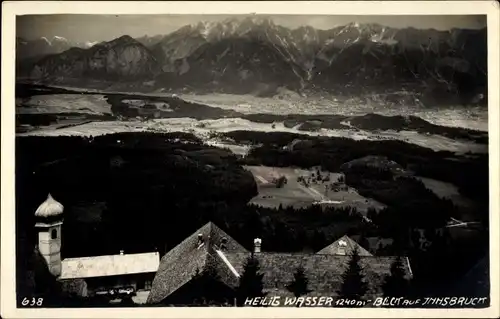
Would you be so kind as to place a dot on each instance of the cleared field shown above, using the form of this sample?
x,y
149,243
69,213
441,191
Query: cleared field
x,y
327,191
183,124
64,103
289,102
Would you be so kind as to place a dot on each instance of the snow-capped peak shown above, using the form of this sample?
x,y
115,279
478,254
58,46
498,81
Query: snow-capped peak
x,y
89,44
58,38
205,27
349,27
230,27
54,40
46,40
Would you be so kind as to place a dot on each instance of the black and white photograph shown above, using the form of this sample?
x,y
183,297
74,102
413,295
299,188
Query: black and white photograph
x,y
252,160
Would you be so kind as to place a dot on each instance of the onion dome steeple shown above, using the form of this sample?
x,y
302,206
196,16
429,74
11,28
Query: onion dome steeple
x,y
50,208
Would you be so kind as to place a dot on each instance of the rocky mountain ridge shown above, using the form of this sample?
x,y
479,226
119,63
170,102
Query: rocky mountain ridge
x,y
255,55
26,49
122,58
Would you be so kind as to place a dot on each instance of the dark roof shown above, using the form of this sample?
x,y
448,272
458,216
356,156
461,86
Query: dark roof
x,y
324,271
180,264
344,246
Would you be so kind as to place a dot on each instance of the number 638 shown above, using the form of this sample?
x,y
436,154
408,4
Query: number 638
x,y
32,302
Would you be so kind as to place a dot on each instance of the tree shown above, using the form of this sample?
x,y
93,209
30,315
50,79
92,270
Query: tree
x,y
380,249
39,281
206,287
280,182
251,284
299,286
353,285
363,241
395,284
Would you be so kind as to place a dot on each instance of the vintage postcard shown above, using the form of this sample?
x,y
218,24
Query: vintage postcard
x,y
250,159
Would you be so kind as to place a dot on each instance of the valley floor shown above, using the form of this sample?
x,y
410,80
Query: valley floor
x,y
204,128
83,112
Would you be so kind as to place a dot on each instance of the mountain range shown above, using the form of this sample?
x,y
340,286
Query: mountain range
x,y
254,55
43,46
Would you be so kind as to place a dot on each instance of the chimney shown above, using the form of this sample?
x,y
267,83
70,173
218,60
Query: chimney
x,y
121,252
342,247
200,240
257,243
223,243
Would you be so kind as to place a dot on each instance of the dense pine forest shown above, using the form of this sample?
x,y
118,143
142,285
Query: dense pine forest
x,y
160,188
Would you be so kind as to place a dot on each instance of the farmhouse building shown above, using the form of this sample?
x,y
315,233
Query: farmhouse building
x,y
175,279
212,250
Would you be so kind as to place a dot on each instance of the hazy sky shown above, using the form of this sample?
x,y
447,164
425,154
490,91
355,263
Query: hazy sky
x,y
107,27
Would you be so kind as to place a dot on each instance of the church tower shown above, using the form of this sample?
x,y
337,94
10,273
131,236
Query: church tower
x,y
49,220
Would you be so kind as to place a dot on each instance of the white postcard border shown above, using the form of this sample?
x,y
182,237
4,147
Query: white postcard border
x,y
12,8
